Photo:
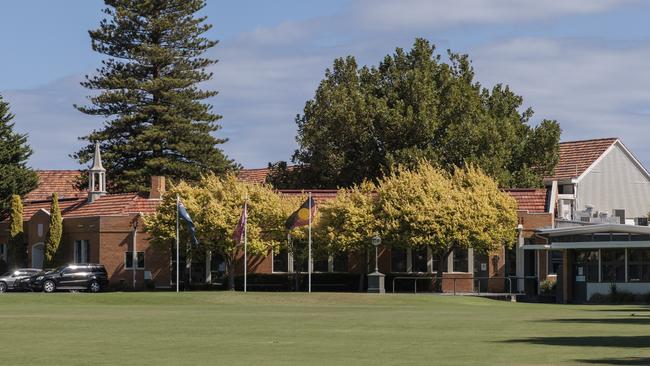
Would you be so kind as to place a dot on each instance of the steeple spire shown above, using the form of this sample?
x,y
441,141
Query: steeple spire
x,y
97,160
96,177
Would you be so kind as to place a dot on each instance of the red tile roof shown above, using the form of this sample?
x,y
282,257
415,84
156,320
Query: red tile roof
x,y
529,199
62,182
253,175
577,156
113,205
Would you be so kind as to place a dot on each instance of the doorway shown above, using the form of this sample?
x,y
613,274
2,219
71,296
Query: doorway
x,y
38,254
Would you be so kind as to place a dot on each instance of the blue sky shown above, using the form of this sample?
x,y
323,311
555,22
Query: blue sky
x,y
582,62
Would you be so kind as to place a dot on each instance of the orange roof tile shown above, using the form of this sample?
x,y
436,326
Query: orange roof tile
x,y
253,175
577,156
529,199
62,182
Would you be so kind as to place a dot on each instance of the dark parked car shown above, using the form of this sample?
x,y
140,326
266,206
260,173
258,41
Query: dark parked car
x,y
14,280
91,277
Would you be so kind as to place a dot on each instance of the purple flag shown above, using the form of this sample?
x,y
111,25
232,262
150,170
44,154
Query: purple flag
x,y
241,226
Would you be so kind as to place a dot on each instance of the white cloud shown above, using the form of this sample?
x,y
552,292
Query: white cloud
x,y
391,14
593,89
47,114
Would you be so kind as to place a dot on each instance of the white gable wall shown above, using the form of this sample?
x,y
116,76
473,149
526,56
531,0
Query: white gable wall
x,y
615,182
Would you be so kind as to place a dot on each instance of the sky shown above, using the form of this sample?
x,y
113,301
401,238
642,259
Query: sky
x,y
584,63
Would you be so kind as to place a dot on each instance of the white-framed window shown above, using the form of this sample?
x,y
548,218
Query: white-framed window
x,y
128,260
81,250
280,261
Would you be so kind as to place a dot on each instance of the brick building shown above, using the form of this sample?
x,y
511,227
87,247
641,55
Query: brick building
x,y
107,228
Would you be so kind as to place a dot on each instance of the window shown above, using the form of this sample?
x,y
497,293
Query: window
x,y
281,261
340,262
638,262
461,263
419,260
128,260
81,251
554,261
613,262
511,261
398,260
587,262
321,264
435,264
3,252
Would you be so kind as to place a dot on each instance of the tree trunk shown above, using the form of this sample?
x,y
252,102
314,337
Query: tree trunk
x,y
230,271
363,271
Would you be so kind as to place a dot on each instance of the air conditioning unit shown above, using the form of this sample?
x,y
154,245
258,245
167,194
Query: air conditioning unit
x,y
620,214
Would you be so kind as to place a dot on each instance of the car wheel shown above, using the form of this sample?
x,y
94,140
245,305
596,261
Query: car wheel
x,y
3,287
49,286
94,287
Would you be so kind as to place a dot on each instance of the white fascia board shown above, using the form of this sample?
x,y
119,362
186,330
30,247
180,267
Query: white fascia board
x,y
634,159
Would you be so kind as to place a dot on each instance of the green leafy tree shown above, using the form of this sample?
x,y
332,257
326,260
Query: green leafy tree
x,y
363,121
16,237
347,223
54,233
215,205
428,207
15,176
157,120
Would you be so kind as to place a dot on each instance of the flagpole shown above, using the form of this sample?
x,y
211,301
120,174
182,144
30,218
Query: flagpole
x,y
178,259
245,241
309,260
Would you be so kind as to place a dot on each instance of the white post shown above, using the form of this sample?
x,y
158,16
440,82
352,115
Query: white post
x,y
309,260
246,243
519,259
178,251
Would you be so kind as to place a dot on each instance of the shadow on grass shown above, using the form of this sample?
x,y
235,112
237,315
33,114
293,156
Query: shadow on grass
x,y
589,341
625,310
640,320
628,361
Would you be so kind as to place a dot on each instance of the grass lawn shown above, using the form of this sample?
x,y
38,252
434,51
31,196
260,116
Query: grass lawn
x,y
222,328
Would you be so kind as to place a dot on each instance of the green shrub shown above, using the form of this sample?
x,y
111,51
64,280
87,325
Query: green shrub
x,y
547,287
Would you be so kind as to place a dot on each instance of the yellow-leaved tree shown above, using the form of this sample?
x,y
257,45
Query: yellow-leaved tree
x,y
348,222
428,207
215,205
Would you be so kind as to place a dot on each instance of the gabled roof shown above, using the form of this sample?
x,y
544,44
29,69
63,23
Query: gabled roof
x,y
529,199
63,182
577,156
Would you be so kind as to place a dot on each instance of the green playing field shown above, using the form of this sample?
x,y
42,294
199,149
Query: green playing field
x,y
225,328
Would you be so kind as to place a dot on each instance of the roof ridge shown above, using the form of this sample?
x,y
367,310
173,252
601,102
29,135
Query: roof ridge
x,y
591,140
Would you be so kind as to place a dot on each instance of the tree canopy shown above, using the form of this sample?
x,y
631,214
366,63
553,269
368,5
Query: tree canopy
x,y
54,233
215,205
156,119
365,120
429,207
15,176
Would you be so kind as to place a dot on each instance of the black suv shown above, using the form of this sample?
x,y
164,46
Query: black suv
x,y
91,277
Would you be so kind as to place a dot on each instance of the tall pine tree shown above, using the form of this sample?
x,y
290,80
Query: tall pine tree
x,y
157,120
15,176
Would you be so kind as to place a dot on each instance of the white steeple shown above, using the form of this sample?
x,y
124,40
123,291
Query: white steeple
x,y
96,177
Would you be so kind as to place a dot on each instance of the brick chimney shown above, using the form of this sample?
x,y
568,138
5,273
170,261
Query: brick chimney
x,y
157,187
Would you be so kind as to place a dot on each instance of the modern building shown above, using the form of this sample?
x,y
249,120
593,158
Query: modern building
x,y
600,196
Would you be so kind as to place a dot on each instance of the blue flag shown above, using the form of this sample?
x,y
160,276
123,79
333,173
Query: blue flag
x,y
182,213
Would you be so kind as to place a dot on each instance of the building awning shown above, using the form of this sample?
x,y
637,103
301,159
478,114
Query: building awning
x,y
593,237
